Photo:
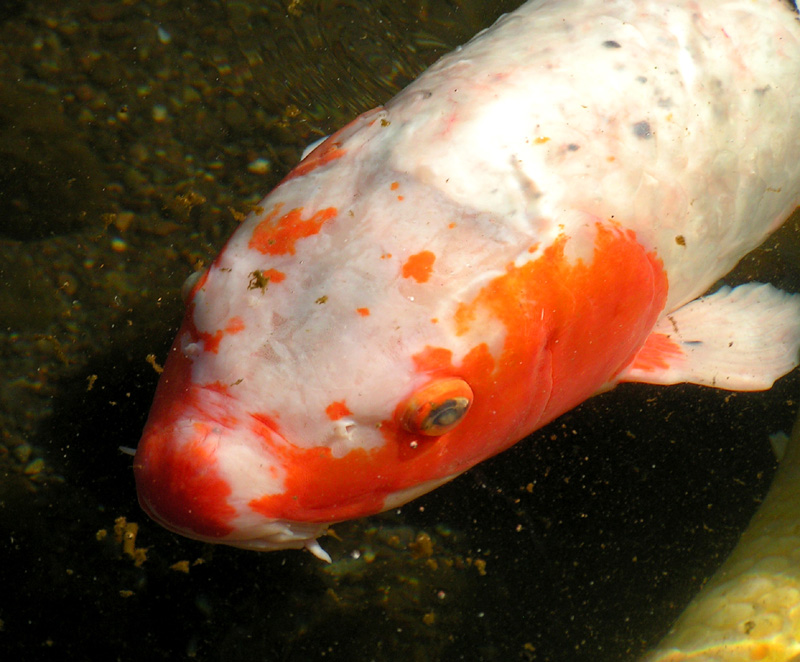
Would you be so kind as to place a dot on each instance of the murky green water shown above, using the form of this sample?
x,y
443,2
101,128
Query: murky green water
x,y
128,133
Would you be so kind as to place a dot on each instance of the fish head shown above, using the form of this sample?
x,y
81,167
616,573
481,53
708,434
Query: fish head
x,y
363,338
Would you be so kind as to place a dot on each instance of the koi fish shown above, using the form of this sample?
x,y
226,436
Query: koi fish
x,y
749,609
527,224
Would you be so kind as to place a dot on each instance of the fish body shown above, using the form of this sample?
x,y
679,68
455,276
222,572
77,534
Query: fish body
x,y
525,225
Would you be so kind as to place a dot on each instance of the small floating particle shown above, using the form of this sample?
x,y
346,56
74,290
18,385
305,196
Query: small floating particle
x,y
160,113
118,245
163,36
259,166
151,359
422,547
123,220
35,467
125,533
23,452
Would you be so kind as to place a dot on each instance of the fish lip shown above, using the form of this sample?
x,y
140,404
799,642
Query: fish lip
x,y
244,529
295,535
275,535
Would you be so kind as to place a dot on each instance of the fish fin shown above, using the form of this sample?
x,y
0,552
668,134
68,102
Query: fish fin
x,y
740,339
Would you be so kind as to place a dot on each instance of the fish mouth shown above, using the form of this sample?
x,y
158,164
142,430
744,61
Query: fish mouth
x,y
267,536
284,534
200,477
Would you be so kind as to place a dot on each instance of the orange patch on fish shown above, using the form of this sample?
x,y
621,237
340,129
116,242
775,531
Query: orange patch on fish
x,y
364,312
279,237
211,341
187,483
341,488
419,266
585,319
322,488
337,410
273,275
180,485
235,325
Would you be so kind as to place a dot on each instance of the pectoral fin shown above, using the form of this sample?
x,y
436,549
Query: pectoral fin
x,y
740,339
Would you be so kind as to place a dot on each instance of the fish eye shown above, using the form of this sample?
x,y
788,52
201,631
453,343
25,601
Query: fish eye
x,y
437,407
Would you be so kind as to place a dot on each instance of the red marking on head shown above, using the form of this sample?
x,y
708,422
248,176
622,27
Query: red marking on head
x,y
279,237
656,353
179,484
235,325
267,421
273,275
211,341
337,410
181,487
419,266
327,489
364,312
394,186
433,360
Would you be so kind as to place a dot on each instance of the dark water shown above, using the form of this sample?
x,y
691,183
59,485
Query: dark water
x,y
128,131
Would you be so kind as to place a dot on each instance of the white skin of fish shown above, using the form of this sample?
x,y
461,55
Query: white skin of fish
x,y
687,133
